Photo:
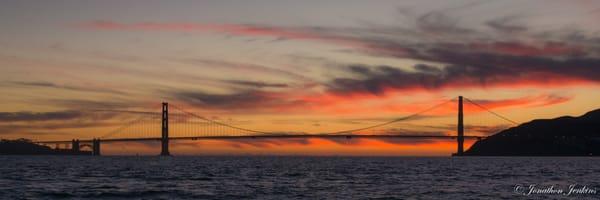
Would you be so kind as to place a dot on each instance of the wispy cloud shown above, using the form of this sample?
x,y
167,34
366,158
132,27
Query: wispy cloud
x,y
50,122
39,116
249,68
257,84
241,100
232,29
523,102
68,87
86,105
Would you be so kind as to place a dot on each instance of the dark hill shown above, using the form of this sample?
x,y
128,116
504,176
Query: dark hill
x,y
563,136
26,147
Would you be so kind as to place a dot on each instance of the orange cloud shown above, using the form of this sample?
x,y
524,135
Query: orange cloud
x,y
335,103
521,102
332,103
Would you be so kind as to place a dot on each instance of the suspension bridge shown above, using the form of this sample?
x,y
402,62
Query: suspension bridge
x,y
191,126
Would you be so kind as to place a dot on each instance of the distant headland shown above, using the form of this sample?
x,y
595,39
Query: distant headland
x,y
26,147
563,136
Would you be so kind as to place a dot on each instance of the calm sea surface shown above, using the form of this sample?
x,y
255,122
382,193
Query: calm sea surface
x,y
54,177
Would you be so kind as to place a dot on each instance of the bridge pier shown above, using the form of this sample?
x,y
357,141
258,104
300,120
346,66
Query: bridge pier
x,y
460,128
165,130
96,147
75,145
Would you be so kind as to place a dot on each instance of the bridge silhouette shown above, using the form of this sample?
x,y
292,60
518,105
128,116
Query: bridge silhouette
x,y
196,127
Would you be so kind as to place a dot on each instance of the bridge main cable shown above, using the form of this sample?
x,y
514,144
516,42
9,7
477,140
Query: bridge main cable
x,y
130,123
219,123
331,133
492,112
395,120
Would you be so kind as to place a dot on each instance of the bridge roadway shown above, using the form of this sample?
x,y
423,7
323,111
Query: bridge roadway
x,y
282,136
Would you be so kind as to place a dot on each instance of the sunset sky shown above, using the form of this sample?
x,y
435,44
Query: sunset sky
x,y
288,66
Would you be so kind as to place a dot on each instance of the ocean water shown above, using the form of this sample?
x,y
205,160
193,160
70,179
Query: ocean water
x,y
277,177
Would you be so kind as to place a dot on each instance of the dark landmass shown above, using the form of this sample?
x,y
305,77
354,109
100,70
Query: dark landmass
x,y
26,147
563,136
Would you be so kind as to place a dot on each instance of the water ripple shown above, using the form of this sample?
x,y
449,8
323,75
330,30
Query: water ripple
x,y
55,177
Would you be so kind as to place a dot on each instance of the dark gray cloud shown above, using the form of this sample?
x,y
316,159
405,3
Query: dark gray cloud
x,y
235,100
360,69
51,127
492,64
39,116
375,79
82,104
79,114
252,99
258,84
469,69
42,122
506,25
40,84
68,87
438,22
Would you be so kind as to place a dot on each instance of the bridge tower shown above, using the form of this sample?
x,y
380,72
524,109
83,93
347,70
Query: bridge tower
x,y
460,128
75,145
165,130
96,147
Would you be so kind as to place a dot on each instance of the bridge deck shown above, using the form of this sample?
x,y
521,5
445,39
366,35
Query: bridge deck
x,y
347,136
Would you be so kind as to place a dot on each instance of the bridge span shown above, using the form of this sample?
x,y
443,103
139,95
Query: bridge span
x,y
343,136
95,143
